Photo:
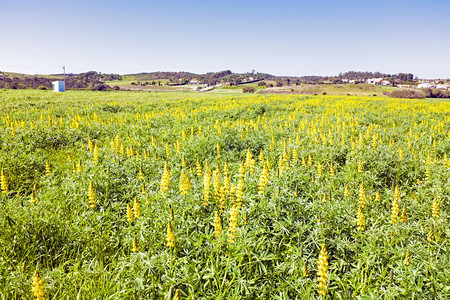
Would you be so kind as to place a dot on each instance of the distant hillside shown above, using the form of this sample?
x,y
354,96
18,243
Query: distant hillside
x,y
212,78
89,80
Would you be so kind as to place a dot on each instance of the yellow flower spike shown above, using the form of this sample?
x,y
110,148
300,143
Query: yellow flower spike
x,y
38,286
303,162
233,224
4,182
261,157
395,206
400,154
360,167
346,191
403,216
176,296
95,154
362,196
407,260
48,170
263,179
218,150
141,174
91,195
322,273
360,220
167,151
332,173
378,196
136,208
135,246
90,145
171,214
430,236
319,169
130,214
33,197
206,188
198,168
165,179
143,189
435,208
305,270
217,225
170,236
184,183
79,167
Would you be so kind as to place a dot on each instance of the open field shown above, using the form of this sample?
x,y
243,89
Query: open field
x,y
333,89
127,195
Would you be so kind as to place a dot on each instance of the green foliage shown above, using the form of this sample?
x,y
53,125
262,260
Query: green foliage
x,y
86,253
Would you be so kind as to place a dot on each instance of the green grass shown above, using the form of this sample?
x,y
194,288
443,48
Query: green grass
x,y
86,253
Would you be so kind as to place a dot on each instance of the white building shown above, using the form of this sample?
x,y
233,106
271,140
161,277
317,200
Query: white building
x,y
443,86
374,80
58,86
426,85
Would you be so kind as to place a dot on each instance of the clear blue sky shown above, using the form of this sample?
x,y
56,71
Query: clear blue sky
x,y
281,37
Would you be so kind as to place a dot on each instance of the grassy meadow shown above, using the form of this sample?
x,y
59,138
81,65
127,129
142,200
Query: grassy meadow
x,y
128,195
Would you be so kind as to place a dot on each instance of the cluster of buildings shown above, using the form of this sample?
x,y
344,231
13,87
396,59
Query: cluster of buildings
x,y
375,81
421,85
433,85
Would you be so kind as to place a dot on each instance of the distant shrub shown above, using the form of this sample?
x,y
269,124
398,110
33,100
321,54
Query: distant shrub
x,y
324,93
279,83
116,88
270,85
261,83
248,89
419,94
435,93
42,88
406,93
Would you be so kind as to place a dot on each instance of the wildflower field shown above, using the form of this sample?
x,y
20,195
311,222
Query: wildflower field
x,y
124,195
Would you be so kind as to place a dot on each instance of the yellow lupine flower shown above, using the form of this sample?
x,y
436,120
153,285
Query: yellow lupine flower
x,y
48,170
217,225
136,208
430,236
407,259
176,296
233,224
403,216
360,220
91,195
435,208
130,214
170,236
38,286
322,273
33,197
141,174
362,196
185,183
4,182
165,179
395,206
